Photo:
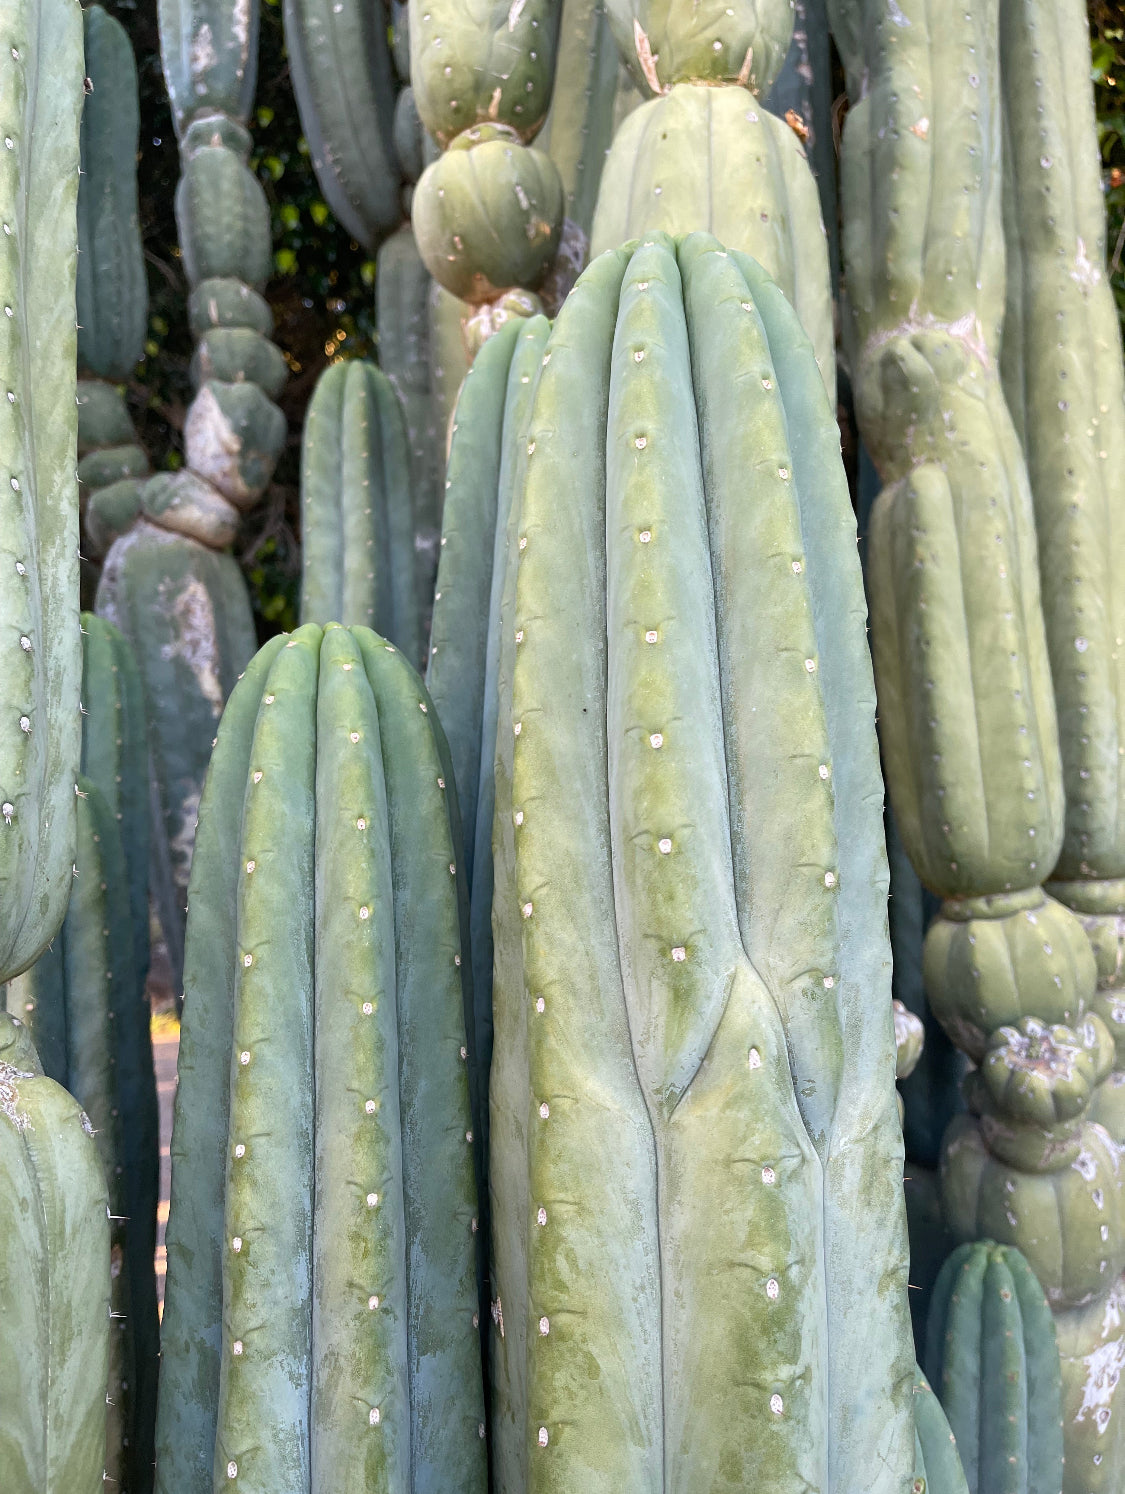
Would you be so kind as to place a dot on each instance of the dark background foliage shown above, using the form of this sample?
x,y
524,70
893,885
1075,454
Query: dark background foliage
x,y
322,291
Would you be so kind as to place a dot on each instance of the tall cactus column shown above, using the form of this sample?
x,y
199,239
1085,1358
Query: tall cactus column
x,y
1061,361
168,583
967,712
40,740
488,213
704,152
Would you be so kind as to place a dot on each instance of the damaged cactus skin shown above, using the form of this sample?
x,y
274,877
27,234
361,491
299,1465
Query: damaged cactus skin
x,y
357,528
40,737
959,636
992,1354
1061,360
321,1320
55,1282
705,152
112,288
629,947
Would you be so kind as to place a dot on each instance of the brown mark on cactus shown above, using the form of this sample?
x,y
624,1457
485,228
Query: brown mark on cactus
x,y
646,57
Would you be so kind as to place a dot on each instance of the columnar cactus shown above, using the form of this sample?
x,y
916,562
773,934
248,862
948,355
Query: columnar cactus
x,y
357,528
579,126
320,1327
54,1282
694,1057
992,1355
937,1466
488,213
343,79
40,106
81,1006
112,289
1061,361
967,711
705,153
461,674
167,583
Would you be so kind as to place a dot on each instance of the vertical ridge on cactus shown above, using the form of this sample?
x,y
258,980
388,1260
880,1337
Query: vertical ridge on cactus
x,y
321,1322
669,984
40,106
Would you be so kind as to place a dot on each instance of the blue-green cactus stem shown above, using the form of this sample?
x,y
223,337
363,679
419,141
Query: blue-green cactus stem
x,y
937,1465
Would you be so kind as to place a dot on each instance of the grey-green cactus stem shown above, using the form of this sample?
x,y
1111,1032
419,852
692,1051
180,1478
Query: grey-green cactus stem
x,y
580,123
40,106
1061,360
321,1326
340,63
55,1283
960,634
112,293
649,1009
357,525
937,1466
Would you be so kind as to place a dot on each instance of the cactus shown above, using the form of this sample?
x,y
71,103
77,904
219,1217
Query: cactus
x,y
1061,361
340,63
685,697
54,1282
82,1007
704,154
937,1466
357,531
580,122
112,291
488,212
322,1135
461,675
967,710
992,1354
183,606
40,105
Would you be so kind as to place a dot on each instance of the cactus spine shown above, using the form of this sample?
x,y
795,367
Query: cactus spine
x,y
992,1354
650,1008
323,1136
112,290
704,153
488,213
357,528
81,1006
54,1282
41,85
969,732
1061,361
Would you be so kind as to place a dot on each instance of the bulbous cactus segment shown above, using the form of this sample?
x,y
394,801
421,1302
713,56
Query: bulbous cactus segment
x,y
483,61
670,1082
82,1007
357,527
40,106
343,80
323,1137
937,1465
55,1283
992,1354
487,214
716,156
184,609
743,42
